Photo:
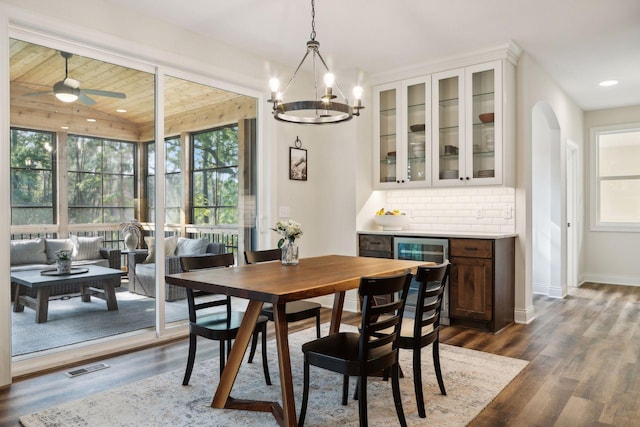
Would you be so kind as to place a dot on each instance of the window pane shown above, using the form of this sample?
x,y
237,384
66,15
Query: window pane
x,y
118,157
31,188
32,177
173,191
85,189
173,155
215,176
26,216
619,153
85,215
118,190
101,175
619,201
84,154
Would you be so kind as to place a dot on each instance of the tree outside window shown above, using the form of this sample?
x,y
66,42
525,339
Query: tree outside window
x,y
101,180
32,177
215,176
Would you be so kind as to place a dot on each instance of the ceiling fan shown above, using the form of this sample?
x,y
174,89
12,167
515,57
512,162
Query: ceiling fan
x,y
68,90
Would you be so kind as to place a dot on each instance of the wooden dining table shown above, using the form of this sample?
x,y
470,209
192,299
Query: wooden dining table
x,y
274,283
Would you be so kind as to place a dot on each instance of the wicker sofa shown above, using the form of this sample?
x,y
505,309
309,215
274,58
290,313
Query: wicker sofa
x,y
38,254
143,281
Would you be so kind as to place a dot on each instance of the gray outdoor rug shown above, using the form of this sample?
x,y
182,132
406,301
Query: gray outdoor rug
x,y
72,321
472,378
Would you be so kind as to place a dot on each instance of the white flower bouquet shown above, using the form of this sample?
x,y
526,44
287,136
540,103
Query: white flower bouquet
x,y
289,230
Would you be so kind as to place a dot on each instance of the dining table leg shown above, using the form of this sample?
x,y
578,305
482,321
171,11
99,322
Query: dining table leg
x,y
336,313
284,363
221,399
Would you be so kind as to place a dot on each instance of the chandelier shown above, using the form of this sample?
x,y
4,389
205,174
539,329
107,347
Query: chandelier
x,y
322,109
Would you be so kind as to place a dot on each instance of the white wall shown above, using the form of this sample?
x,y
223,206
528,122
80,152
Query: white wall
x,y
534,85
608,257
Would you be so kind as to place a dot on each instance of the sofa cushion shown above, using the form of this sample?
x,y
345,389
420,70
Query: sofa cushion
x,y
188,247
170,244
28,252
86,247
53,245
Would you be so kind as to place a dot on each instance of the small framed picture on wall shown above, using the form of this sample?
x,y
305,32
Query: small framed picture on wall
x,y
297,164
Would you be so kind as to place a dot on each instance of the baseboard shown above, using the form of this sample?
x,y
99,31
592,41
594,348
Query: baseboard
x,y
524,316
610,279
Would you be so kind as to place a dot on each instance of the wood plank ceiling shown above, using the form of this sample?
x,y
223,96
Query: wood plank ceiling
x,y
35,69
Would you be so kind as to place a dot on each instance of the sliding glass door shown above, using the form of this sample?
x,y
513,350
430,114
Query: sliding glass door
x,y
82,169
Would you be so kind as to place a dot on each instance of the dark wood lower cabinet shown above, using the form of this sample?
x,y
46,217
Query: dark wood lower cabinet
x,y
481,282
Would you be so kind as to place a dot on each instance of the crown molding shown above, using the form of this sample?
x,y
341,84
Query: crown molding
x,y
509,51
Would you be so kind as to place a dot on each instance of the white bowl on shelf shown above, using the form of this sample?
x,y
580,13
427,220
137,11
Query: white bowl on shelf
x,y
392,222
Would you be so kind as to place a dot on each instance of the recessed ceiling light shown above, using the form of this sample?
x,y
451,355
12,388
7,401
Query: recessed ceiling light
x,y
91,120
608,83
121,110
64,127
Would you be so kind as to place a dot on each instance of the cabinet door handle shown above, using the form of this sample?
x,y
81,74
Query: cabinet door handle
x,y
470,249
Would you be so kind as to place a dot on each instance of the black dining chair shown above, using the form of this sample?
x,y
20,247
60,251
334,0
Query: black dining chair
x,y
370,351
294,310
220,326
426,325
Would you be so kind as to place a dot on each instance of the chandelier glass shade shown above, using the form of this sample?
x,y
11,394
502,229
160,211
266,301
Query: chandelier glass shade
x,y
322,108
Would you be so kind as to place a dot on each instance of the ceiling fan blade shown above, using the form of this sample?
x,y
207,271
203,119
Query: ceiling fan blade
x,y
104,93
85,99
39,93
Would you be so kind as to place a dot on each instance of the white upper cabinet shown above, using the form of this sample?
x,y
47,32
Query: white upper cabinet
x,y
468,126
449,128
402,129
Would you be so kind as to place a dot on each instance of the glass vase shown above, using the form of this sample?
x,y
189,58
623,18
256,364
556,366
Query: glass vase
x,y
289,253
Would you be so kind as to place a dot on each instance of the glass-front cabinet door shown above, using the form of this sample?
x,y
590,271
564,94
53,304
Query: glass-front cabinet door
x,y
484,124
416,130
448,127
467,131
387,101
402,134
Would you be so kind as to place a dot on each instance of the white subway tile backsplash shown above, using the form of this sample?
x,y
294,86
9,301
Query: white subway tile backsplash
x,y
455,209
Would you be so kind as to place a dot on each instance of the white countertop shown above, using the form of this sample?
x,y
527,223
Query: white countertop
x,y
455,234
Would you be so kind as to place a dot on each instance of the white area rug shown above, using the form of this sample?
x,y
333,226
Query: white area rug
x,y
472,380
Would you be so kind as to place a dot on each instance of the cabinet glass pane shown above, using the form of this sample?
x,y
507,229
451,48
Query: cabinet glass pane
x,y
482,120
448,130
388,136
416,117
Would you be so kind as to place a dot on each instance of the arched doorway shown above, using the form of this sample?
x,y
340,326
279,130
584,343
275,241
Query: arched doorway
x,y
548,257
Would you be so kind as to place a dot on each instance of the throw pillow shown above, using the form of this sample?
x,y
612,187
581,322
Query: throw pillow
x,y
86,247
188,247
170,244
28,252
53,245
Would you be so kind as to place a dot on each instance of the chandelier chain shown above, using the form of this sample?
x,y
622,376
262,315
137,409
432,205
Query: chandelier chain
x,y
313,20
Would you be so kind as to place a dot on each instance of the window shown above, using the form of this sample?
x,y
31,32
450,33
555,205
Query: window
x,y
172,179
100,180
215,176
32,177
615,191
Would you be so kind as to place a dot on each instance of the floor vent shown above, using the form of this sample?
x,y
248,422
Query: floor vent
x,y
87,370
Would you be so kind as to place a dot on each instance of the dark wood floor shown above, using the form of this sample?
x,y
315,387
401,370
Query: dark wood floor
x,y
583,350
